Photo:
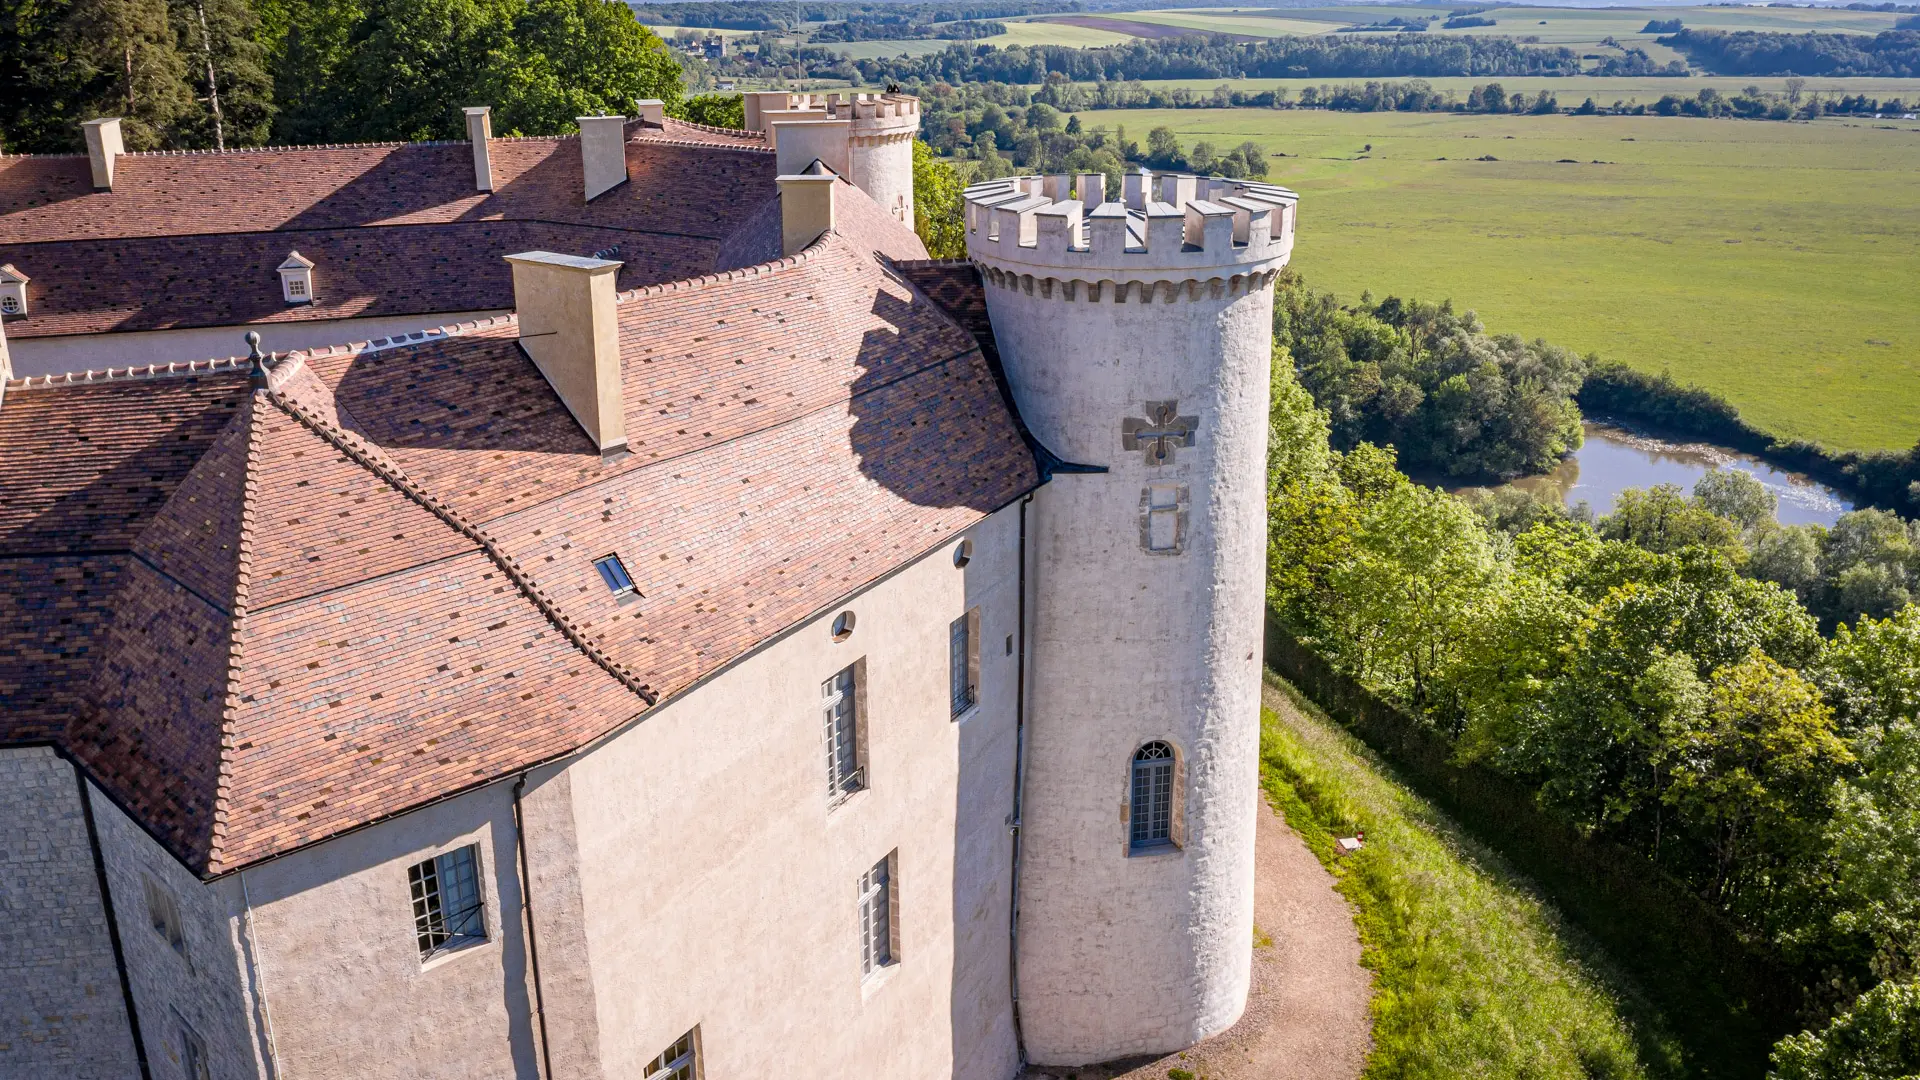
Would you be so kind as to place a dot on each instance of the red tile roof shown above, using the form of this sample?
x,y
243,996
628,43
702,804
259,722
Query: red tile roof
x,y
192,239
261,618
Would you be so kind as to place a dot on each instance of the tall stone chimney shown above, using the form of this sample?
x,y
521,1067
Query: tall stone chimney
x,y
798,143
480,134
569,328
806,207
652,110
603,152
103,147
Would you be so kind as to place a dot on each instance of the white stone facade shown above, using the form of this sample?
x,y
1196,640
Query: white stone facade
x,y
1138,339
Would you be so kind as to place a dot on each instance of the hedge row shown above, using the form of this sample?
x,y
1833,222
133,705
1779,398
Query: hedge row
x,y
1727,999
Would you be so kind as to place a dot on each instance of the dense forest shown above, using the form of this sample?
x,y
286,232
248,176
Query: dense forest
x,y
762,15
1195,56
1894,54
186,74
1731,698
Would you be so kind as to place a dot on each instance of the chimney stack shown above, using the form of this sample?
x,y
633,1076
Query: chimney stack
x,y
653,111
569,328
798,143
480,134
103,146
603,152
806,207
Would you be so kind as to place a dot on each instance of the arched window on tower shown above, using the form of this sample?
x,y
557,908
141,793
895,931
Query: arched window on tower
x,y
1153,798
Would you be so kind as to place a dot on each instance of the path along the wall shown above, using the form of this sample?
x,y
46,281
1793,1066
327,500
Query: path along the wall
x,y
1306,1015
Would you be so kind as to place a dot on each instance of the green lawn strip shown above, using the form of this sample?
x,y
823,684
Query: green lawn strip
x,y
1475,975
1768,262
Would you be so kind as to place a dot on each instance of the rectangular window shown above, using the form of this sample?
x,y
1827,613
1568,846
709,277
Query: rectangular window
x,y
614,573
193,1051
296,287
447,909
1151,809
164,915
963,662
677,1062
877,918
842,708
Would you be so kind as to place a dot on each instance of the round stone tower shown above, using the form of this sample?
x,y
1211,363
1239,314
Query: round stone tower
x,y
880,146
1136,337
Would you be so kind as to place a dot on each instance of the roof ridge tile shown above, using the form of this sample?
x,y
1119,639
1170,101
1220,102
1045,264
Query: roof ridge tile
x,y
366,456
242,588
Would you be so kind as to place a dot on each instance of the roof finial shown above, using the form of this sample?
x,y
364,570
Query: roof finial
x,y
257,372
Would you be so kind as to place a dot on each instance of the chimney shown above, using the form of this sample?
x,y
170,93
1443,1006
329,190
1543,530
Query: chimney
x,y
103,146
480,133
652,111
806,207
568,327
798,143
603,152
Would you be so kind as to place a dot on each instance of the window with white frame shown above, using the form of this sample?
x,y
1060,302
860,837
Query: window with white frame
x,y
448,911
1150,810
164,916
841,706
879,917
681,1061
963,662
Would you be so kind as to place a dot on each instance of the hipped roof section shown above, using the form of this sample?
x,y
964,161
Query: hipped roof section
x,y
261,617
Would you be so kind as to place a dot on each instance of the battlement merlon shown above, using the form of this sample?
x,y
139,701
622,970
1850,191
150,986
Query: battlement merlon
x,y
872,114
1196,227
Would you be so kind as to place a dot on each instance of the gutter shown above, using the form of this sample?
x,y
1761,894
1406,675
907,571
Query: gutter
x,y
1019,796
526,909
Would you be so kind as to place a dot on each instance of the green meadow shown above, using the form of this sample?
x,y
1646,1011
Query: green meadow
x,y
1775,263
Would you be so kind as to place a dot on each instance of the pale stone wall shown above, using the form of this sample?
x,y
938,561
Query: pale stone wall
x,y
719,887
1126,954
206,985
97,352
348,993
62,1013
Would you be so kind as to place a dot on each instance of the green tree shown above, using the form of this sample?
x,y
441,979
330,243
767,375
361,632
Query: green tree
x,y
1163,149
1736,495
1754,780
37,84
573,58
125,62
714,110
1662,520
1788,556
1877,1039
227,68
937,212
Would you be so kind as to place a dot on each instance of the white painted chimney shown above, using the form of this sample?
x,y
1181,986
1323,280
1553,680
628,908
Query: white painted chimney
x,y
103,147
480,133
570,329
806,207
798,143
603,152
652,110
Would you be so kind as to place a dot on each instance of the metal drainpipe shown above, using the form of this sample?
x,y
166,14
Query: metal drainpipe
x,y
526,907
1019,795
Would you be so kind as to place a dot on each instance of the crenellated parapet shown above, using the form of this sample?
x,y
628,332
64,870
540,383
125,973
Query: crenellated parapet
x,y
1172,236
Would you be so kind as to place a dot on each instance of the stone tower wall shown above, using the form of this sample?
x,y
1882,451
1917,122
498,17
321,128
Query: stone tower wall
x,y
880,133
1148,583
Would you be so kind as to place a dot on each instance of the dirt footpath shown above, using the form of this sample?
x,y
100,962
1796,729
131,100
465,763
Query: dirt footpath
x,y
1306,1016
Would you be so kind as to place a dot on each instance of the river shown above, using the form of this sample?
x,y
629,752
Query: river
x,y
1615,459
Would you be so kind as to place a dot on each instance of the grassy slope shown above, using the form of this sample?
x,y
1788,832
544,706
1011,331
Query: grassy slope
x,y
1476,976
1761,260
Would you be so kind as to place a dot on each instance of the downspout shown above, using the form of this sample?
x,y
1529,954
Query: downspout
x,y
113,924
1019,794
526,908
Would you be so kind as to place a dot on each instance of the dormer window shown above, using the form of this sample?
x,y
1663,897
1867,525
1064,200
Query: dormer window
x,y
13,291
296,279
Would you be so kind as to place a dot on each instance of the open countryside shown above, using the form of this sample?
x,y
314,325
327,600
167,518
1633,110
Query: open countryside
x,y
1772,263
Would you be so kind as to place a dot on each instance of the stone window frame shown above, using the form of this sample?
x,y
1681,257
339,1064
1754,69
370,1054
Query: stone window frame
x,y
963,663
1175,841
163,914
681,1061
843,706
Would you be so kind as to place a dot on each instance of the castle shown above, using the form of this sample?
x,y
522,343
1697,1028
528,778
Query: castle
x,y
629,613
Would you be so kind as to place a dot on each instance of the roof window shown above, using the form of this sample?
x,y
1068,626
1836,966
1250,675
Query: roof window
x,y
13,291
296,279
614,573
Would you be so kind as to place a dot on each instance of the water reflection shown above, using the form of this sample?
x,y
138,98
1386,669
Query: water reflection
x,y
1614,459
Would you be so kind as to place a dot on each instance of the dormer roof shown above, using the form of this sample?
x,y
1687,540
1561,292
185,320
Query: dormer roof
x,y
11,276
296,261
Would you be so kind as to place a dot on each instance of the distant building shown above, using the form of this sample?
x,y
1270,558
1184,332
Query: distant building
x,y
635,617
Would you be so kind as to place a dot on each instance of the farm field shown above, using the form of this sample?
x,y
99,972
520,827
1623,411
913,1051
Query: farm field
x,y
1570,90
1771,262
